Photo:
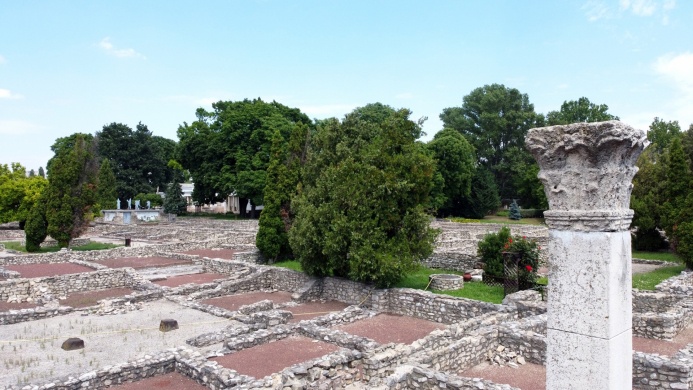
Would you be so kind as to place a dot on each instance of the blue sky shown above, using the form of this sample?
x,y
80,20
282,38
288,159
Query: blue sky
x,y
75,66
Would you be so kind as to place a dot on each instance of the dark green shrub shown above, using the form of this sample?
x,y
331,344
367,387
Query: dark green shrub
x,y
532,213
154,199
684,238
492,246
490,250
36,227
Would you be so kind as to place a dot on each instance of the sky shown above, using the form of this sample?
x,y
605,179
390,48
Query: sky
x,y
75,66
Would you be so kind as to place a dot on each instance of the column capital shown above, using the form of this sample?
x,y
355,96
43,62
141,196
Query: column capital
x,y
587,169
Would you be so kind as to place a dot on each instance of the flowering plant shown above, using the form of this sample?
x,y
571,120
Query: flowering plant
x,y
491,249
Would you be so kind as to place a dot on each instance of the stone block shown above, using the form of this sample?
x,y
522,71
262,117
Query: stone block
x,y
168,325
72,344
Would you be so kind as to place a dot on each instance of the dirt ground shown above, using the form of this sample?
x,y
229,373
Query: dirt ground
x,y
6,306
226,254
170,381
41,270
233,302
390,328
269,358
175,281
142,262
666,348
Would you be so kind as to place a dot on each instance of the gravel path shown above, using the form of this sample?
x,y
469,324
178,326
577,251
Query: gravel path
x,y
30,351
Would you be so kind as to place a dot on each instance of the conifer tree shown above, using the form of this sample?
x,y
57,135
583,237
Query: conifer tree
x,y
106,191
515,214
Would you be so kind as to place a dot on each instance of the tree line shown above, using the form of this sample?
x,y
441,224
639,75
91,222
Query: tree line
x,y
349,197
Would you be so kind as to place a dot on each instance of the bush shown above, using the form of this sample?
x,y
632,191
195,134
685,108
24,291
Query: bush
x,y
154,199
36,228
492,246
684,237
532,213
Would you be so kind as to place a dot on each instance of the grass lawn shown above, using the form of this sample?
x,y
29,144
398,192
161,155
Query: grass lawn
x,y
472,290
500,220
290,264
649,280
92,246
665,256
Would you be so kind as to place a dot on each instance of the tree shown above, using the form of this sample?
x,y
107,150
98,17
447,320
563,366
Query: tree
x,y
455,162
493,119
484,199
138,159
228,150
71,191
674,210
32,173
283,178
106,194
41,172
174,203
36,228
515,213
662,133
360,213
581,110
18,193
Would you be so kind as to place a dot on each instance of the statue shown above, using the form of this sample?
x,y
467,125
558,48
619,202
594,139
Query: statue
x,y
137,204
118,203
149,205
129,204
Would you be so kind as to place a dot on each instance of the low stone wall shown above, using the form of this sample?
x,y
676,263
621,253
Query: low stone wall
x,y
526,337
652,371
416,377
52,287
659,315
681,285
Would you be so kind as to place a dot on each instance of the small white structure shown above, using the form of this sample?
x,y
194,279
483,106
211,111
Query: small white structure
x,y
587,170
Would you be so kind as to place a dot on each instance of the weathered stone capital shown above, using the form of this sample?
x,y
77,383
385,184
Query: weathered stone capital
x,y
587,169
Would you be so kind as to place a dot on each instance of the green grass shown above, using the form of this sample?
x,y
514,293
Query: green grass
x,y
473,290
92,246
499,220
649,280
290,264
664,256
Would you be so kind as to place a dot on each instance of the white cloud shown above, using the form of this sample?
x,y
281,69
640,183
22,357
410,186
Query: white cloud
x,y
640,7
596,10
108,47
7,94
17,127
677,69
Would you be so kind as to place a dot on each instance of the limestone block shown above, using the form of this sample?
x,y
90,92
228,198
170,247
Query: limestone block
x,y
579,362
590,277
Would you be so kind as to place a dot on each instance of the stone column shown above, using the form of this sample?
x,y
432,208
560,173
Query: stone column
x,y
587,170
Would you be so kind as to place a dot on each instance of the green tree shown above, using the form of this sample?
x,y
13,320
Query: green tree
x,y
646,196
360,213
662,133
36,228
71,191
581,110
174,202
138,158
674,208
18,193
41,172
484,198
106,194
455,162
494,119
283,178
228,150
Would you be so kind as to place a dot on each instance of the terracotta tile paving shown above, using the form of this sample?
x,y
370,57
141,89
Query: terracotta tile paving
x,y
526,377
234,302
170,381
91,298
266,359
47,269
179,280
142,262
309,310
390,328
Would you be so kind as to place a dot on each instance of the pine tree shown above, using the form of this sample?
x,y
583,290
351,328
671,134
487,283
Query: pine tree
x,y
174,203
41,172
515,214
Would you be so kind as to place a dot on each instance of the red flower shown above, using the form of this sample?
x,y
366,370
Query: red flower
x,y
529,268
